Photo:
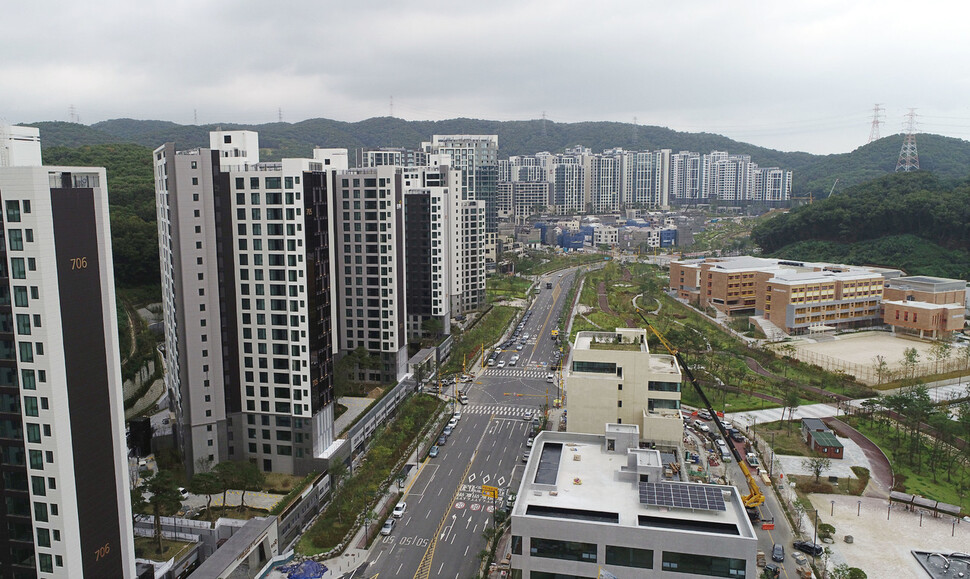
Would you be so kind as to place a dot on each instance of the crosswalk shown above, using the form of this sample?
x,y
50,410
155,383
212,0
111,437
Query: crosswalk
x,y
499,410
516,373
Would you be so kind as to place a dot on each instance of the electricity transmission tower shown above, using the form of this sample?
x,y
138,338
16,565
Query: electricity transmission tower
x,y
908,159
876,121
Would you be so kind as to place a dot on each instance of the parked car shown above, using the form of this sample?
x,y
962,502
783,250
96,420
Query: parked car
x,y
183,493
447,431
509,499
529,442
778,553
525,456
388,527
704,414
399,509
463,399
456,416
773,570
453,422
752,459
433,453
808,547
501,364
442,440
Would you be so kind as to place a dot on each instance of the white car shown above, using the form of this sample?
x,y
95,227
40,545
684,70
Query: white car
x,y
529,442
453,422
527,415
399,510
501,364
388,527
456,416
183,493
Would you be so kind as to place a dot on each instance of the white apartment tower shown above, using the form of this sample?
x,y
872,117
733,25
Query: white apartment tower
x,y
245,250
62,435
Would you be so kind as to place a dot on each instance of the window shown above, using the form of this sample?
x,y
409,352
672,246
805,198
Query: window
x,y
33,433
15,240
703,565
629,557
20,296
13,211
46,562
595,367
17,269
38,488
664,386
565,550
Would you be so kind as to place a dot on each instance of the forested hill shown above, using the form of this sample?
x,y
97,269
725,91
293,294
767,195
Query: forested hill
x,y
814,174
914,221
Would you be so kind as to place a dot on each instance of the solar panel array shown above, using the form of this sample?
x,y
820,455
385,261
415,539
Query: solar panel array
x,y
682,495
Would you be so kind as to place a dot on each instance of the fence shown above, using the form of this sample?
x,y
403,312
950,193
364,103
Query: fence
x,y
872,374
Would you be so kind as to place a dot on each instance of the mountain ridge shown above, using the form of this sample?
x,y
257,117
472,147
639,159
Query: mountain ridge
x,y
813,174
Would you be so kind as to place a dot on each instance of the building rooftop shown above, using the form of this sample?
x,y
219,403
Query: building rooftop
x,y
574,476
825,438
923,305
927,283
628,339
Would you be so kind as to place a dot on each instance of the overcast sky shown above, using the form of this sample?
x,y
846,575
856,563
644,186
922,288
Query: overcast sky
x,y
787,75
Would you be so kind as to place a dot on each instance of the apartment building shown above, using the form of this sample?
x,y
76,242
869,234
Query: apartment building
x,y
370,278
517,200
247,269
591,504
611,377
65,489
798,297
477,157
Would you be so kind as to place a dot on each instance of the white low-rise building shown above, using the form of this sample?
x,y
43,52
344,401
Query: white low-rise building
x,y
613,378
596,502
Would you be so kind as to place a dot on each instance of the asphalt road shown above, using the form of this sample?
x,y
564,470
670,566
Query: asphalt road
x,y
447,512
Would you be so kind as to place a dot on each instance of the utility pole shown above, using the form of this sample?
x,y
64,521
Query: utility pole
x,y
908,158
876,121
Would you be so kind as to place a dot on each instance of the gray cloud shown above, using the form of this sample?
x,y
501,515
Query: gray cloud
x,y
794,76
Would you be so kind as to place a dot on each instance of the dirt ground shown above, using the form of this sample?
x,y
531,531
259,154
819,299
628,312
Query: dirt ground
x,y
861,348
882,548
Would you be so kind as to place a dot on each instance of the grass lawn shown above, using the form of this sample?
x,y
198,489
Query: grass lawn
x,y
724,401
147,548
538,263
853,486
907,477
488,330
231,513
280,483
785,441
506,287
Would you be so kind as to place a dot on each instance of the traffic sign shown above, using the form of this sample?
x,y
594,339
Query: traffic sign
x,y
489,491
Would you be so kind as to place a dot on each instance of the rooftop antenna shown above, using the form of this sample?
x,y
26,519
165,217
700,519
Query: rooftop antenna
x,y
876,121
908,158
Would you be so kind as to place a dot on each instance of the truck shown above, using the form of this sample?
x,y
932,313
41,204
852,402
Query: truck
x,y
554,334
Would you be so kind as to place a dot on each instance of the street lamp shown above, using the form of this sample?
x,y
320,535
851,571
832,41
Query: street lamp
x,y
814,537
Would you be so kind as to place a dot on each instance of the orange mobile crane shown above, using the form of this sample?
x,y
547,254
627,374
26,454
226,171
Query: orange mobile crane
x,y
754,498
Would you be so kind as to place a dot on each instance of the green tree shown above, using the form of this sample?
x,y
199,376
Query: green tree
x,y
881,367
208,484
226,473
941,351
248,478
817,465
791,403
164,499
910,361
